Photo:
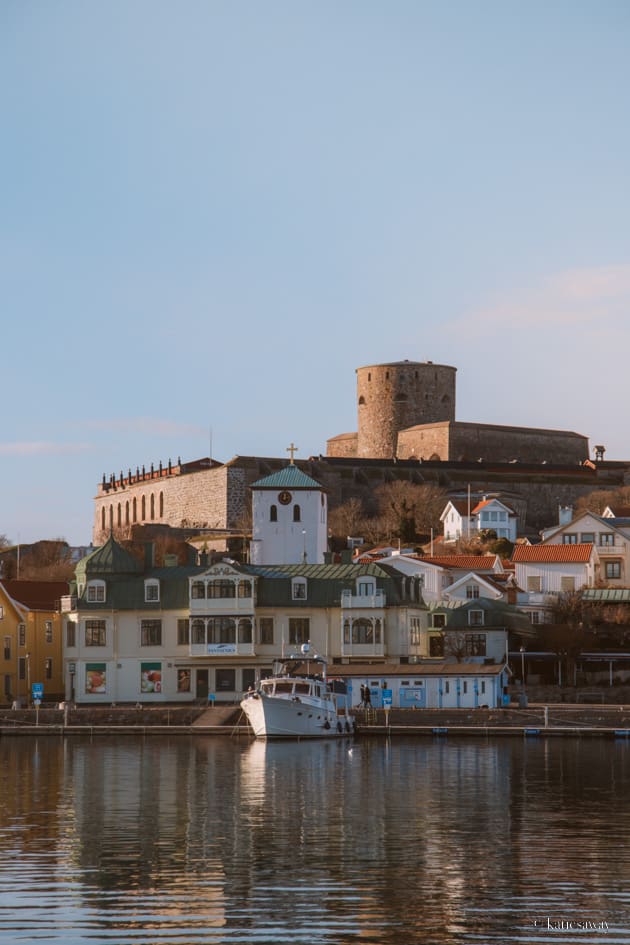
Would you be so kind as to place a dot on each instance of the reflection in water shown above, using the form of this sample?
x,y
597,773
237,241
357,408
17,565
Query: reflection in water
x,y
178,840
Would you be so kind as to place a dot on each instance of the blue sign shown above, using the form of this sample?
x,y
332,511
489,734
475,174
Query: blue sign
x,y
387,698
37,691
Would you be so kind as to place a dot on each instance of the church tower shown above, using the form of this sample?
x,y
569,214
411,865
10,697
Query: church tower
x,y
289,519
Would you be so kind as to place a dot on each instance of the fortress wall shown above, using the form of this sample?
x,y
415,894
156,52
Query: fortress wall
x,y
503,444
430,441
345,444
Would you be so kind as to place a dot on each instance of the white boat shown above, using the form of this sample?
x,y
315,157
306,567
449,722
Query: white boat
x,y
299,701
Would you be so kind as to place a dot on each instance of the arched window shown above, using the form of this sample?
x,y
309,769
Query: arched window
x,y
134,507
119,515
198,631
245,630
152,507
273,513
143,509
161,505
297,513
361,400
127,512
111,517
103,518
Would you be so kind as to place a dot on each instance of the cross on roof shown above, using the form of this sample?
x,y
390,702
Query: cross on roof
x,y
292,450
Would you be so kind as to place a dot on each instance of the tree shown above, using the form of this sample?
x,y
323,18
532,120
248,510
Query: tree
x,y
409,511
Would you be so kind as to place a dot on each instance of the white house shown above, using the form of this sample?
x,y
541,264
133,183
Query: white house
x,y
611,536
545,571
461,520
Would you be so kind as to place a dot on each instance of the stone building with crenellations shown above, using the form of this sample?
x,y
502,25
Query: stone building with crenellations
x,y
406,430
406,410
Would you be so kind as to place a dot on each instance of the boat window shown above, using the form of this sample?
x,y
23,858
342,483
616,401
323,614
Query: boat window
x,y
302,687
284,687
267,687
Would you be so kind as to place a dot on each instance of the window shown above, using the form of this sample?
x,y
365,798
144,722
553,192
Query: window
x,y
588,538
436,645
22,667
299,630
71,634
535,616
567,583
362,631
95,633
96,592
226,680
366,588
7,687
48,666
534,583
198,590
245,630
570,538
606,539
150,633
1,612
221,630
7,648
475,644
273,513
475,618
439,620
198,631
48,631
22,634
298,589
265,625
151,591
183,631
472,591
297,513
221,589
613,569
245,589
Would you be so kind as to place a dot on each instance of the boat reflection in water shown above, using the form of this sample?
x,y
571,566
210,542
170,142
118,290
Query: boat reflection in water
x,y
299,701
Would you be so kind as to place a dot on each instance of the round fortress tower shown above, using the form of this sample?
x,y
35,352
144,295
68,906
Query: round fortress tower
x,y
392,397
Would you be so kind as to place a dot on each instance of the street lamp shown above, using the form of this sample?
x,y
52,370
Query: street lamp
x,y
522,651
28,678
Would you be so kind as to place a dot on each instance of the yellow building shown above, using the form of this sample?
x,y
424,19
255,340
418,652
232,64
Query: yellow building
x,y
31,635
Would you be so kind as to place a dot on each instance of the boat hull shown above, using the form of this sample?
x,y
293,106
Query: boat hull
x,y
273,717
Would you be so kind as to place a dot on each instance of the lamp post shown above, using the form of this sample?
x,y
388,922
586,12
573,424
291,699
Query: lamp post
x,y
28,678
522,651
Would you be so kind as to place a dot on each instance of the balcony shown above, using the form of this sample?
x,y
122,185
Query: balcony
x,y
617,548
67,604
363,650
350,600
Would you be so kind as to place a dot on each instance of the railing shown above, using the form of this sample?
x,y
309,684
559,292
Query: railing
x,y
616,548
68,604
364,650
348,599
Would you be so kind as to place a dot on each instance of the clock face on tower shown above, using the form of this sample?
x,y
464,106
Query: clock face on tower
x,y
284,497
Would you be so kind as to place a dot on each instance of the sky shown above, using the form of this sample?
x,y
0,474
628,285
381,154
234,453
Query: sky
x,y
212,213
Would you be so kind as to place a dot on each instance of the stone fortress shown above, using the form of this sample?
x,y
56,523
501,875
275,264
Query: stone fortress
x,y
406,410
406,431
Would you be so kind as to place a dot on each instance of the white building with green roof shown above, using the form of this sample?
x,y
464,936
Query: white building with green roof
x,y
289,519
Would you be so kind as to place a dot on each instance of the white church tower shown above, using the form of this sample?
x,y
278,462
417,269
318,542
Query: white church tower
x,y
289,518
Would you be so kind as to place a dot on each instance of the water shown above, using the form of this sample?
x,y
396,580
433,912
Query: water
x,y
179,841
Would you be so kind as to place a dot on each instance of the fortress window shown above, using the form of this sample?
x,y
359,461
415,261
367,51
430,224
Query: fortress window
x,y
361,400
297,513
273,513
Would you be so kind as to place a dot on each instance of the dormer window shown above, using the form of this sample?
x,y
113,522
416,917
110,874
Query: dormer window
x,y
475,618
151,591
96,592
298,589
472,591
366,588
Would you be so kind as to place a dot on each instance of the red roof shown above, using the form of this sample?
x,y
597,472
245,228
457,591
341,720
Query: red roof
x,y
463,562
553,554
37,595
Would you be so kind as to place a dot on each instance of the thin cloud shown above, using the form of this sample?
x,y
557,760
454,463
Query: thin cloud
x,y
41,447
576,297
146,425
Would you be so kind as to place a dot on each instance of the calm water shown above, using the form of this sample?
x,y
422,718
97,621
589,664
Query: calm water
x,y
178,840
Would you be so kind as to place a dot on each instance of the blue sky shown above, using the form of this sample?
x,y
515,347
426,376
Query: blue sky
x,y
211,213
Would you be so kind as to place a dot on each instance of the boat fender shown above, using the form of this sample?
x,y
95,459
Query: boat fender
x,y
348,729
326,724
339,727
